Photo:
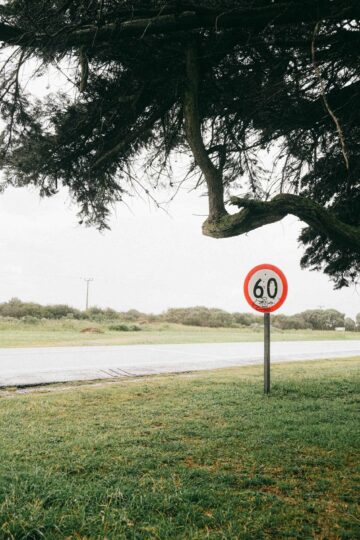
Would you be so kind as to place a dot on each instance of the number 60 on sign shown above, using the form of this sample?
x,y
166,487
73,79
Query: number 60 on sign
x,y
265,288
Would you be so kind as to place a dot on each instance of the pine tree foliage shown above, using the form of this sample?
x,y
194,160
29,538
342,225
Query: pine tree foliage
x,y
226,82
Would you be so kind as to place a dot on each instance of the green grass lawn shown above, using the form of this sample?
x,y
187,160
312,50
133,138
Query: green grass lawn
x,y
192,456
68,333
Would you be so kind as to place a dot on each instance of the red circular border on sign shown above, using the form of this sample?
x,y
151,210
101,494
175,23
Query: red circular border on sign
x,y
284,283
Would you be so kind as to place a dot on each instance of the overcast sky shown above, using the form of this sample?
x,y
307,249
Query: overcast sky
x,y
149,260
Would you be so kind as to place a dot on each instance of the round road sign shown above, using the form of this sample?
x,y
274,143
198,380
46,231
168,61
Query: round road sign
x,y
265,288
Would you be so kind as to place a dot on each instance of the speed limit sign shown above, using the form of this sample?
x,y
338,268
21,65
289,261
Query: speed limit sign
x,y
265,288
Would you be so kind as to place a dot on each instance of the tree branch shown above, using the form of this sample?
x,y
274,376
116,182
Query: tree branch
x,y
123,143
249,18
10,34
212,175
257,213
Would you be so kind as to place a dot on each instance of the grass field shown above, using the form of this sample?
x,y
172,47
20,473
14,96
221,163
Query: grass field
x,y
68,332
196,456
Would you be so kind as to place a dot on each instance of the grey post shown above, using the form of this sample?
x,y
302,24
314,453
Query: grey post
x,y
87,280
266,353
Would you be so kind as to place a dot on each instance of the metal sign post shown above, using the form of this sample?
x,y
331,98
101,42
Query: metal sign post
x,y
265,289
266,353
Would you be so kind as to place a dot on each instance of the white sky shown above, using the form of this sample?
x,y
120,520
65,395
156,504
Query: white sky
x,y
149,260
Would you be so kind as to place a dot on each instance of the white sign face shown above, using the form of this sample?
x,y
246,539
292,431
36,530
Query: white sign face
x,y
265,288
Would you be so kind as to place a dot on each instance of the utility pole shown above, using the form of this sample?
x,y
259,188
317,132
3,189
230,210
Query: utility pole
x,y
87,280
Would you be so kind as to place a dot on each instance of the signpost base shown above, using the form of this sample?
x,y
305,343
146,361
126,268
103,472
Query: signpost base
x,y
266,353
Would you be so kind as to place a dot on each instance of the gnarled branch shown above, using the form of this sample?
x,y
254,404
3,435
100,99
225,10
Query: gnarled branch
x,y
256,213
212,175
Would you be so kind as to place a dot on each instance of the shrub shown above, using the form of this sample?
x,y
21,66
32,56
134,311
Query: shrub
x,y
28,319
350,325
292,322
135,328
124,327
246,319
323,319
199,316
133,315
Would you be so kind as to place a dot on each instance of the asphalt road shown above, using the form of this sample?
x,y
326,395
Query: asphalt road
x,y
61,364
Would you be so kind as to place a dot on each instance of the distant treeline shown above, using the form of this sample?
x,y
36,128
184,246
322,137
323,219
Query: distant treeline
x,y
314,319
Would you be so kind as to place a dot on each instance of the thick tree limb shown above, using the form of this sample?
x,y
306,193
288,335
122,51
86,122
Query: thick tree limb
x,y
257,213
212,175
84,66
250,18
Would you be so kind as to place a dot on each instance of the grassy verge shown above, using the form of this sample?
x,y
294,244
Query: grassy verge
x,y
69,333
197,456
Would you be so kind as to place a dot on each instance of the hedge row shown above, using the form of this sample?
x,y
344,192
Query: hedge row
x,y
315,319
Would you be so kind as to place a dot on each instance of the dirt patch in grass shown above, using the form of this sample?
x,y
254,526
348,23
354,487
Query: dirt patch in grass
x,y
92,330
